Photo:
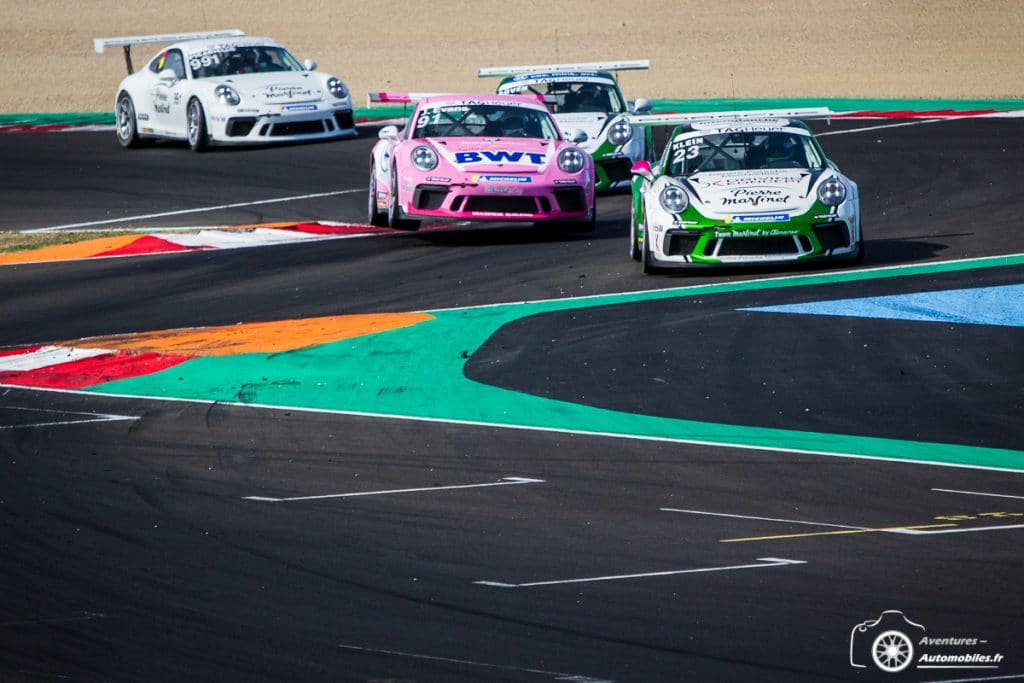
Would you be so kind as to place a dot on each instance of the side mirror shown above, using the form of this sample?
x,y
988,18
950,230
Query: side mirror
x,y
577,135
388,133
642,169
168,76
642,105
309,65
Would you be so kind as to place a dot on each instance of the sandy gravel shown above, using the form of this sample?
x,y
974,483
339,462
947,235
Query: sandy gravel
x,y
698,49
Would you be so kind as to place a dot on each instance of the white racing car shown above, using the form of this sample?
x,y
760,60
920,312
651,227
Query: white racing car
x,y
585,96
226,88
742,188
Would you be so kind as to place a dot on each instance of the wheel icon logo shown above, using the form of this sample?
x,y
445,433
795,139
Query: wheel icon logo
x,y
892,651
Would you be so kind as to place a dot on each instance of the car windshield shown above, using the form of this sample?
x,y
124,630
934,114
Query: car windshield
x,y
572,97
740,151
483,120
233,60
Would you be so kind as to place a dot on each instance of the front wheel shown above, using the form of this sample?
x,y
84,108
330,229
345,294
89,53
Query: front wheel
x,y
586,226
373,216
648,260
127,122
395,219
197,135
634,245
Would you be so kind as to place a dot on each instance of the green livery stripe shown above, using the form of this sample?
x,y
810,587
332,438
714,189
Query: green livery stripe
x,y
417,372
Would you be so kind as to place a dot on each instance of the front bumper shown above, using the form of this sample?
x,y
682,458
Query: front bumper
x,y
482,202
755,245
247,128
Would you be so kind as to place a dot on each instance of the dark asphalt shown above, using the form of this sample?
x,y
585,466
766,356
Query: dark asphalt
x,y
130,552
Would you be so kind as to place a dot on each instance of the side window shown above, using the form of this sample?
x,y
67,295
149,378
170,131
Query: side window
x,y
169,59
176,63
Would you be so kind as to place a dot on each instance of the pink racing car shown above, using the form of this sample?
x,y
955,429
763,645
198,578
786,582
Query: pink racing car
x,y
479,158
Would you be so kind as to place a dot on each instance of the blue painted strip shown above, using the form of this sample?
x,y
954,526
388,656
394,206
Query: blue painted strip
x,y
1002,305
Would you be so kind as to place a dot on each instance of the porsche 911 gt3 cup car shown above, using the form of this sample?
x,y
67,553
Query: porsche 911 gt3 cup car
x,y
225,88
479,158
586,96
741,188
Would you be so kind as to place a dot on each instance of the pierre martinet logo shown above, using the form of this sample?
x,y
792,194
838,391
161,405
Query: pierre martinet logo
x,y
893,643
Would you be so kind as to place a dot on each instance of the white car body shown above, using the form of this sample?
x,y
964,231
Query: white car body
x,y
201,89
613,154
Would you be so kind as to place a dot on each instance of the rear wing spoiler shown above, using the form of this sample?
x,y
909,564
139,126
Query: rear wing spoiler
x,y
385,97
504,71
742,115
100,44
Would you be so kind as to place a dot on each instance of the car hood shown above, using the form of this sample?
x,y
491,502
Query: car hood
x,y
496,154
759,191
276,88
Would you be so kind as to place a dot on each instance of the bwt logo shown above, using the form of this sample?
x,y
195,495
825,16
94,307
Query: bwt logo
x,y
498,157
887,641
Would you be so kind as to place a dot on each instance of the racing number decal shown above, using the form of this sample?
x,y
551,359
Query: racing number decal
x,y
205,60
689,150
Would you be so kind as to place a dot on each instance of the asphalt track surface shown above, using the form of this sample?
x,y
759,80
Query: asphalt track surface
x,y
139,544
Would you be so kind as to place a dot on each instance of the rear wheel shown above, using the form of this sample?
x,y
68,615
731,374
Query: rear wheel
x,y
197,135
127,122
395,219
373,216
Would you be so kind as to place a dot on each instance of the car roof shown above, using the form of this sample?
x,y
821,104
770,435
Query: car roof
x,y
204,44
739,125
529,101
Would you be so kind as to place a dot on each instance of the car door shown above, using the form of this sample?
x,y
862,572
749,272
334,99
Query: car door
x,y
167,99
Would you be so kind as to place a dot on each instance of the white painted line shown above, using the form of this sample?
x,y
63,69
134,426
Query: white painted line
x,y
979,493
958,530
763,563
763,519
506,481
575,678
890,125
1011,677
87,418
53,228
534,428
46,356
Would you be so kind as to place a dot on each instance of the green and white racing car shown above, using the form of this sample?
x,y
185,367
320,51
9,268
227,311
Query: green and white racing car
x,y
585,96
741,188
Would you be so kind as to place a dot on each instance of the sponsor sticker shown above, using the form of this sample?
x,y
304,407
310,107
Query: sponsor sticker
x,y
502,179
758,218
499,156
300,107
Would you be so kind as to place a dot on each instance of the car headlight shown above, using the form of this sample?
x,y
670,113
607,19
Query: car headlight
x,y
832,192
424,158
227,95
620,132
571,160
674,199
337,88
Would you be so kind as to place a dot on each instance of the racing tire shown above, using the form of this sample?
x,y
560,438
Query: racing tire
x,y
395,219
127,122
647,259
373,216
585,227
634,246
195,120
